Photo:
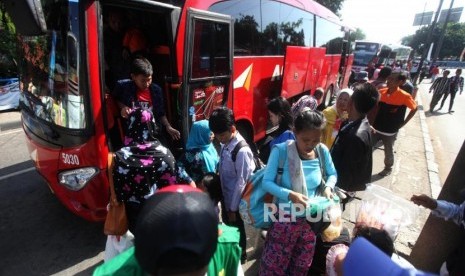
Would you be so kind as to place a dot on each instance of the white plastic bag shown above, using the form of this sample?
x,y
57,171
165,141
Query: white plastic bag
x,y
117,244
382,209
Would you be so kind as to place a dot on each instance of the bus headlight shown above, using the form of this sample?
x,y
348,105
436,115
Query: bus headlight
x,y
78,178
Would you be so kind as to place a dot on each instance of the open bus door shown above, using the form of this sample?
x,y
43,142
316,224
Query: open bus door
x,y
207,65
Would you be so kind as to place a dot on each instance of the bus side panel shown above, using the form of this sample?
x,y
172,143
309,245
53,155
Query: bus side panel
x,y
96,95
316,59
347,71
256,81
295,70
333,62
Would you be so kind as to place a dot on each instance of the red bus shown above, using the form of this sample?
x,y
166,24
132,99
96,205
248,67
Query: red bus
x,y
205,53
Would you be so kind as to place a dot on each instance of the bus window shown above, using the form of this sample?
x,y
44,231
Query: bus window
x,y
211,49
49,69
329,35
260,30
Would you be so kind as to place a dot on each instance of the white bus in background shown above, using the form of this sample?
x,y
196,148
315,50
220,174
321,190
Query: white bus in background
x,y
399,53
367,52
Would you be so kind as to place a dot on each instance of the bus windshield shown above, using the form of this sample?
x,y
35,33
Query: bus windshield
x,y
364,52
50,68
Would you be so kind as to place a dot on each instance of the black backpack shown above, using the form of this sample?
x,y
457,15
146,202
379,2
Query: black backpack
x,y
258,163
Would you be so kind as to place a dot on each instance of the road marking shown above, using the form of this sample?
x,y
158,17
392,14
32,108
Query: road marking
x,y
10,132
16,173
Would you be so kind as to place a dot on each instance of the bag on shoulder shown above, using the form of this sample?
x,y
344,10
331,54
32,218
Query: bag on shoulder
x,y
116,222
258,162
254,198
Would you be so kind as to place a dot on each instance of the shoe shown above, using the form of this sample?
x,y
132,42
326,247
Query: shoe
x,y
385,172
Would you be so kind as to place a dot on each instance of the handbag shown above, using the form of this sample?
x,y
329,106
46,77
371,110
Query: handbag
x,y
116,222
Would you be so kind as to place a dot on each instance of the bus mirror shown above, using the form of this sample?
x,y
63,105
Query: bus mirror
x,y
27,15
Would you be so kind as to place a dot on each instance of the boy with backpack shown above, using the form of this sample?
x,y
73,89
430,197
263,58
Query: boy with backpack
x,y
233,173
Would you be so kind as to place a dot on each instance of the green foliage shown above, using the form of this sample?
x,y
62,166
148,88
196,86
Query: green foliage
x,y
357,35
332,5
8,46
452,46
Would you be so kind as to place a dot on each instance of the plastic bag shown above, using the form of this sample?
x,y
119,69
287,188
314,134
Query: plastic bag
x,y
117,244
382,209
334,229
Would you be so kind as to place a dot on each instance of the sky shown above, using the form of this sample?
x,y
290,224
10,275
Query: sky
x,y
389,20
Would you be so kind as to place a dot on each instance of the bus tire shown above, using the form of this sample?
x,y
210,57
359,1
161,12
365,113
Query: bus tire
x,y
328,98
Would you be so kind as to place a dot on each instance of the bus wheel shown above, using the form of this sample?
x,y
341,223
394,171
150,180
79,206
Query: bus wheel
x,y
328,98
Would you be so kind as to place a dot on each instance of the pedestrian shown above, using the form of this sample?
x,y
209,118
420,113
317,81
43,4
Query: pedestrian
x,y
380,81
335,115
434,73
143,165
448,211
200,156
233,173
139,91
178,234
352,150
289,245
456,84
423,72
441,87
304,101
279,112
392,107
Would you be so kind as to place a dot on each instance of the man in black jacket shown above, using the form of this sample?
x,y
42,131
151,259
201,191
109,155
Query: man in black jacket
x,y
352,149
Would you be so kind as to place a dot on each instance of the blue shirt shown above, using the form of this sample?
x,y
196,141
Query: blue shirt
x,y
449,210
311,170
283,137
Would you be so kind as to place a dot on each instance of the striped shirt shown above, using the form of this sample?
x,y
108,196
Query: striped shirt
x,y
456,83
441,85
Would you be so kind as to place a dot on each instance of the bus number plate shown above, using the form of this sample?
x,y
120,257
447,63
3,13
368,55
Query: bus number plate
x,y
71,159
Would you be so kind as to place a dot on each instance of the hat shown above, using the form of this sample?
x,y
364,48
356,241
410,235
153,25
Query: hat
x,y
365,259
362,75
177,230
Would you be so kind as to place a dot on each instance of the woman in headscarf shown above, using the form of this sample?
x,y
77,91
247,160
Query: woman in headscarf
x,y
335,115
143,165
201,156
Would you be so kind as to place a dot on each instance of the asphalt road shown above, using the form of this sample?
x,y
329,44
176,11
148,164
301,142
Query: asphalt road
x,y
38,236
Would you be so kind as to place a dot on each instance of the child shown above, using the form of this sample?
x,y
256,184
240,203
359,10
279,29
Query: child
x,y
233,174
211,185
139,91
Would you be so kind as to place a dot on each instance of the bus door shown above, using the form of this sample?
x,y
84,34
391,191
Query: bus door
x,y
207,65
301,70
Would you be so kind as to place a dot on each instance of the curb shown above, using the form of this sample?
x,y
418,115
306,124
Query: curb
x,y
433,171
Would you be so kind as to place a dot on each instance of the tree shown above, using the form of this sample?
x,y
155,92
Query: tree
x,y
454,40
8,48
332,5
357,35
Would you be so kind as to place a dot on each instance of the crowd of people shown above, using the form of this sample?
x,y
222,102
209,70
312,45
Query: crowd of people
x,y
184,214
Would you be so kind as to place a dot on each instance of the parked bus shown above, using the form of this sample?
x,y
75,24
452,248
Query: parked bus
x,y
367,52
205,53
